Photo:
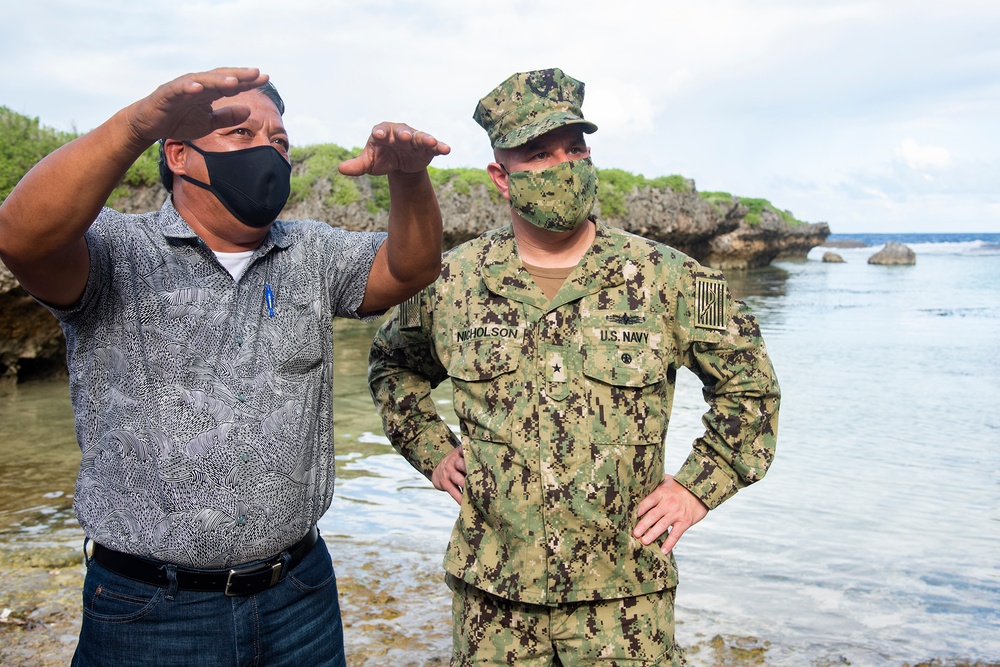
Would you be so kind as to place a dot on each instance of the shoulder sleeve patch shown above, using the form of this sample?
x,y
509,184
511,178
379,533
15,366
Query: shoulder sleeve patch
x,y
409,313
710,304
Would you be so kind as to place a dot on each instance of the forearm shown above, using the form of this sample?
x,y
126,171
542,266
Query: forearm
x,y
413,249
402,371
409,417
43,221
740,435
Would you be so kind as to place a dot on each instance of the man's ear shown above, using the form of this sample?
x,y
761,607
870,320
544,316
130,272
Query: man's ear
x,y
500,178
174,151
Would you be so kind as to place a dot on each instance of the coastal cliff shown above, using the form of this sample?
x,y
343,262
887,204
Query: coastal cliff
x,y
718,229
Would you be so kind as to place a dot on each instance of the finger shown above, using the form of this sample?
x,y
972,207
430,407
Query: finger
x,y
672,538
232,80
649,529
428,142
387,133
647,503
356,166
230,115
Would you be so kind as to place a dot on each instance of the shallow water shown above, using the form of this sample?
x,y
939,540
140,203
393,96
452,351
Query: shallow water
x,y
873,540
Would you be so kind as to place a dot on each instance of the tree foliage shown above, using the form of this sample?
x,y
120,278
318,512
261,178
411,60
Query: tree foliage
x,y
23,142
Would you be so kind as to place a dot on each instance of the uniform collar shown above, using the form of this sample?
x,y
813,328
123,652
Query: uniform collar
x,y
600,268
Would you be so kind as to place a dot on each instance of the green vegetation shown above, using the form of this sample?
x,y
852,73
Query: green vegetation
x,y
313,163
462,180
755,207
615,184
23,142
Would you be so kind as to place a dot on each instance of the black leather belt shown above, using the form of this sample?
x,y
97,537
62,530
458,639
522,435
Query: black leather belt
x,y
243,580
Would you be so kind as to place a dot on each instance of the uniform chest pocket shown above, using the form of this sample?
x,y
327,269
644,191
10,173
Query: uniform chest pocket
x,y
486,386
625,386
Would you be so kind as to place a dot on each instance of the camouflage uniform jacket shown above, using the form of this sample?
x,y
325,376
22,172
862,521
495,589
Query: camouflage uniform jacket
x,y
563,407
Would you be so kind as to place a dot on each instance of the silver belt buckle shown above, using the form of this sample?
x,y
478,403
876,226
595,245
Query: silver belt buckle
x,y
256,569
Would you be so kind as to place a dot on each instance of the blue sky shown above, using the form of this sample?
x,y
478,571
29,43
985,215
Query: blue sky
x,y
872,116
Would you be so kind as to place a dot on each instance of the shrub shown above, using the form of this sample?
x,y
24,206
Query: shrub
x,y
615,184
23,142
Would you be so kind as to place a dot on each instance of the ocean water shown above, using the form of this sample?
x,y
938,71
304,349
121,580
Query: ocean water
x,y
873,540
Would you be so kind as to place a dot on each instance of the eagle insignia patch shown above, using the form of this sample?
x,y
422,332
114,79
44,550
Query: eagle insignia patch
x,y
626,319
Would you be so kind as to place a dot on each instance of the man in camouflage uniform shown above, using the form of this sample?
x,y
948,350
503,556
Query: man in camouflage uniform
x,y
562,338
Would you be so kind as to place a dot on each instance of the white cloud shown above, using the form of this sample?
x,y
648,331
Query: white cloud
x,y
919,157
797,101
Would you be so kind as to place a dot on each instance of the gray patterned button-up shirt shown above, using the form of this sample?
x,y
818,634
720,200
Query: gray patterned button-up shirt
x,y
205,416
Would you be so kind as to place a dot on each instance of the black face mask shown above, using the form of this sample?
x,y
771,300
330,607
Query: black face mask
x,y
253,183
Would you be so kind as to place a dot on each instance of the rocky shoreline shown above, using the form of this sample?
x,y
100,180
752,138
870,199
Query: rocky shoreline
x,y
40,620
715,232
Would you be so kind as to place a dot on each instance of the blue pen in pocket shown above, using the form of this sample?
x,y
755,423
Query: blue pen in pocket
x,y
269,299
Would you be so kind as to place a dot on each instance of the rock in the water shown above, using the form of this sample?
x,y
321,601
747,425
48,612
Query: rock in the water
x,y
832,258
894,254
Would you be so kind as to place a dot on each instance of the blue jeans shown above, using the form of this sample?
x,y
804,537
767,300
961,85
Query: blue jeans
x,y
295,622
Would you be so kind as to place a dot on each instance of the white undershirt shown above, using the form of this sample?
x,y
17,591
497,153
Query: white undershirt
x,y
235,262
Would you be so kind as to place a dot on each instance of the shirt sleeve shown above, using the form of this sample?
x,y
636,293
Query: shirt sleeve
x,y
720,341
403,368
350,256
98,239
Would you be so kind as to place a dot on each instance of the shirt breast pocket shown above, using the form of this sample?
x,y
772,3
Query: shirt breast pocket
x,y
485,387
625,388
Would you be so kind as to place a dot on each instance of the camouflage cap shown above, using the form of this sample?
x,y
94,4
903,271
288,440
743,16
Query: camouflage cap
x,y
529,104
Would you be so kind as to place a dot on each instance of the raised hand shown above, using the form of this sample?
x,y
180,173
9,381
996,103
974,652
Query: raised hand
x,y
182,109
394,147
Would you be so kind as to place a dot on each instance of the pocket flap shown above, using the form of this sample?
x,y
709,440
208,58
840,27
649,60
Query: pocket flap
x,y
483,359
623,365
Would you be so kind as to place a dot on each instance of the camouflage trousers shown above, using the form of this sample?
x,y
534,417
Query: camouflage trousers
x,y
634,631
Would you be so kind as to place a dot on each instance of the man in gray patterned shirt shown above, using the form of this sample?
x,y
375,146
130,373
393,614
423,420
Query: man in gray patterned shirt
x,y
200,352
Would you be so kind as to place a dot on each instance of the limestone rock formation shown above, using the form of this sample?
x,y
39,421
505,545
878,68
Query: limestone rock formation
x,y
894,254
31,342
832,258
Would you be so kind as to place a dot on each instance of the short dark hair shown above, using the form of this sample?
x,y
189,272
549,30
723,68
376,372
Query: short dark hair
x,y
167,176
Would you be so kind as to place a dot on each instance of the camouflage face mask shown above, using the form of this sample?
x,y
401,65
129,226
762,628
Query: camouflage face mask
x,y
559,198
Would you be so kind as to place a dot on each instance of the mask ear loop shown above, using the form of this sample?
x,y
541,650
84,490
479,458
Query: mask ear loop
x,y
200,184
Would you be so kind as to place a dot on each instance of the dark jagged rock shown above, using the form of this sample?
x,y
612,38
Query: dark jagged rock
x,y
31,342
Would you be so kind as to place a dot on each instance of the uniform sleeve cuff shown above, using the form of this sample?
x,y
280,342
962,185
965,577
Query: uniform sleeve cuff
x,y
709,482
